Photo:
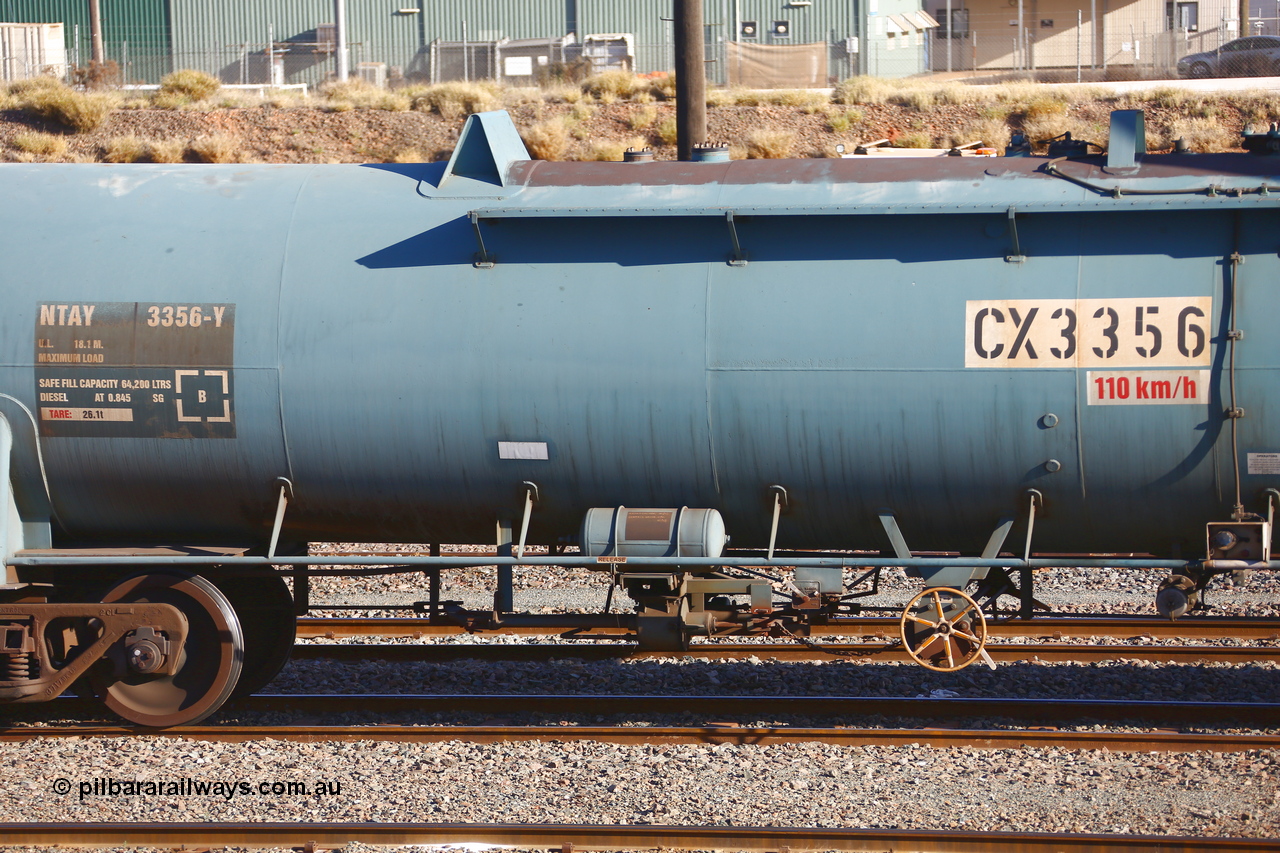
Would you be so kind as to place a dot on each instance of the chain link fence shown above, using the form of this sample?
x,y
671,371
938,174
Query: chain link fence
x,y
1123,44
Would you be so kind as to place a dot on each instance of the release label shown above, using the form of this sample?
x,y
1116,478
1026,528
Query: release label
x,y
1264,463
1130,332
1147,387
135,369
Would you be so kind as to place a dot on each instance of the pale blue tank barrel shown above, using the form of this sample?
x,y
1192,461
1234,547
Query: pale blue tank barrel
x,y
621,351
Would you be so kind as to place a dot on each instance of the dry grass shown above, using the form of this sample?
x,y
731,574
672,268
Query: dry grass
x,y
643,118
840,121
78,111
1043,129
194,85
667,131
1203,135
994,133
167,150
358,94
607,150
125,149
914,139
456,99
547,140
807,99
616,85
410,155
770,144
45,146
217,148
862,90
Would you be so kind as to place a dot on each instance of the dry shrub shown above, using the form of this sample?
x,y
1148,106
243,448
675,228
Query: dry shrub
x,y
1044,109
79,111
862,90
167,151
196,85
1255,107
170,100
612,151
809,99
1203,135
770,144
1040,130
455,99
44,145
217,148
31,84
840,121
613,85
360,94
1161,96
720,98
994,133
662,86
409,155
667,130
547,140
916,98
97,75
125,149
562,93
914,139
643,118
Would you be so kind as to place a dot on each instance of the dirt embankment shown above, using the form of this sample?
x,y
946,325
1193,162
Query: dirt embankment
x,y
299,134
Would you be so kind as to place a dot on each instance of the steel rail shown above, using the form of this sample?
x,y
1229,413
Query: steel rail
x,y
1211,715
613,837
1143,741
1254,628
1039,710
1023,711
543,652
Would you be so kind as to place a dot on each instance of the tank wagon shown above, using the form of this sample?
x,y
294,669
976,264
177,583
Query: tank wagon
x,y
737,387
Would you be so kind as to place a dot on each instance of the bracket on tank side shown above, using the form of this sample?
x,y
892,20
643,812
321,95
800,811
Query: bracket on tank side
x,y
1016,256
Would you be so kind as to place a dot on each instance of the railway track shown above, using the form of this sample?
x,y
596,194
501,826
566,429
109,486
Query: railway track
x,y
313,836
585,627
1005,653
1013,711
1131,741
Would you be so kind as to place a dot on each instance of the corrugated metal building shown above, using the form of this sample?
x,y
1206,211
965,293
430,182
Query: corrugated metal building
x,y
135,33
288,39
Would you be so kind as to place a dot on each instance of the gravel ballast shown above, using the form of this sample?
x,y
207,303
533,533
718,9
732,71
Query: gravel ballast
x,y
601,783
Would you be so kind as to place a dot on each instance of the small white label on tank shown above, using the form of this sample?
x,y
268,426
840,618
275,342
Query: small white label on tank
x,y
522,450
1264,463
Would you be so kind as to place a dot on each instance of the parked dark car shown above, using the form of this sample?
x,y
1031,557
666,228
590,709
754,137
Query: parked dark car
x,y
1243,57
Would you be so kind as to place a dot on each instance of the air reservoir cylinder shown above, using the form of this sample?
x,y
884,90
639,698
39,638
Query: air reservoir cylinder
x,y
628,532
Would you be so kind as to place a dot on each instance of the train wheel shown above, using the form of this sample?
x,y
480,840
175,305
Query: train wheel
x,y
265,608
209,663
943,629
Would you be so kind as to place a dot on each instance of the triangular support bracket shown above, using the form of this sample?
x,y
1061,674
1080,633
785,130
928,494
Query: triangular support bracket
x,y
486,149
